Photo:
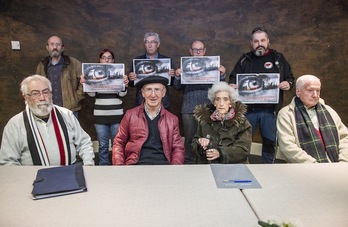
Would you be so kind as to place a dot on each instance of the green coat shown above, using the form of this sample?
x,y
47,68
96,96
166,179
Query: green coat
x,y
232,138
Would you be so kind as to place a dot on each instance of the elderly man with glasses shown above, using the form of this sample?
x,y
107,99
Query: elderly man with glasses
x,y
263,60
44,134
151,45
149,134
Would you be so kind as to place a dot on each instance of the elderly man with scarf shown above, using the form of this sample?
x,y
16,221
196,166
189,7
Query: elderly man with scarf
x,y
310,131
44,134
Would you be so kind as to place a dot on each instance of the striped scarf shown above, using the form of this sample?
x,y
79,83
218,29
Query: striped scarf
x,y
38,150
308,136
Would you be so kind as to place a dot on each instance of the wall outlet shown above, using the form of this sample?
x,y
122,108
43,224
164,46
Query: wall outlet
x,y
16,45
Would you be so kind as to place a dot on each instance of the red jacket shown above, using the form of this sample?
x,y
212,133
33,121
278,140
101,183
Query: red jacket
x,y
133,132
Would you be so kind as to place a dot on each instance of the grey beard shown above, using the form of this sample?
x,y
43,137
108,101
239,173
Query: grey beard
x,y
41,112
55,54
259,52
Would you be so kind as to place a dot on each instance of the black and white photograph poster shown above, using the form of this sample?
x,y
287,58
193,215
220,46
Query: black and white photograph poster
x,y
258,88
149,67
101,77
200,70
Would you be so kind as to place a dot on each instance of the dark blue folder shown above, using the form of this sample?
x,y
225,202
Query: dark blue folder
x,y
57,181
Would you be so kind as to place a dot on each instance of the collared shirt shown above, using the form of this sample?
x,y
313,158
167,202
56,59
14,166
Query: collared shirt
x,y
148,112
54,72
312,113
147,56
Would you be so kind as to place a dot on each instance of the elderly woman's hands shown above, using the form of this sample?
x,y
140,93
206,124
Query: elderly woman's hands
x,y
212,154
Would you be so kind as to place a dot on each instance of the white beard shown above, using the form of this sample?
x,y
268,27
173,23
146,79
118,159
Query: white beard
x,y
41,109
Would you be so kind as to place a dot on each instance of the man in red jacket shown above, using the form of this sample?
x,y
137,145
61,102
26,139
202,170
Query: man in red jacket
x,y
149,134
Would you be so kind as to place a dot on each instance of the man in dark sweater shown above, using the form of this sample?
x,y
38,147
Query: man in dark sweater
x,y
261,59
149,134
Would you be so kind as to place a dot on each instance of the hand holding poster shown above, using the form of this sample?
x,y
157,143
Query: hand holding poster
x,y
258,88
101,77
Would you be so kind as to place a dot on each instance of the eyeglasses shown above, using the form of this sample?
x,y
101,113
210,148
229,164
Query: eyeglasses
x,y
106,58
149,91
152,42
55,44
259,29
195,50
37,94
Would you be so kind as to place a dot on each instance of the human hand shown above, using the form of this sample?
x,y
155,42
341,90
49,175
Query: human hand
x,y
212,154
132,76
82,79
222,70
284,85
178,72
171,72
235,86
125,80
204,142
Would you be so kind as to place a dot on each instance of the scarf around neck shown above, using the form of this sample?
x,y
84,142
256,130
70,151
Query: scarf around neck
x,y
216,115
37,147
308,137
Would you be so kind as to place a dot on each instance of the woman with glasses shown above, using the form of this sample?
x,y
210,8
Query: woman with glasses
x,y
108,112
223,134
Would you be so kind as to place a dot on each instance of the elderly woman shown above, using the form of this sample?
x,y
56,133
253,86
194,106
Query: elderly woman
x,y
223,134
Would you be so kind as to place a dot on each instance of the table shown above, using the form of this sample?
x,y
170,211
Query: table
x,y
183,195
303,194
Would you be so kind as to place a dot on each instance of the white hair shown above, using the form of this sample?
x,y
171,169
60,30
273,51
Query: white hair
x,y
222,86
302,80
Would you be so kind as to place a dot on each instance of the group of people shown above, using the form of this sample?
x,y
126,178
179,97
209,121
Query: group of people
x,y
218,127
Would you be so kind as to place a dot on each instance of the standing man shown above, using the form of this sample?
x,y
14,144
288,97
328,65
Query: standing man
x,y
151,44
261,59
64,73
309,131
149,134
194,94
44,134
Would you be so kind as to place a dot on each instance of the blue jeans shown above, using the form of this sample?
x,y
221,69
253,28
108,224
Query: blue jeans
x,y
266,120
190,129
76,114
104,133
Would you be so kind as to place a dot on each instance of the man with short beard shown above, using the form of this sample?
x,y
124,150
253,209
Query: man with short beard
x,y
262,59
64,73
44,134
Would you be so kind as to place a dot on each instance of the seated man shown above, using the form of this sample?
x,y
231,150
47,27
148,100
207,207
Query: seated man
x,y
44,134
310,131
149,134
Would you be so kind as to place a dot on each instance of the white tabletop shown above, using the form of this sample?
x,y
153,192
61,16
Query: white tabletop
x,y
184,195
303,194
